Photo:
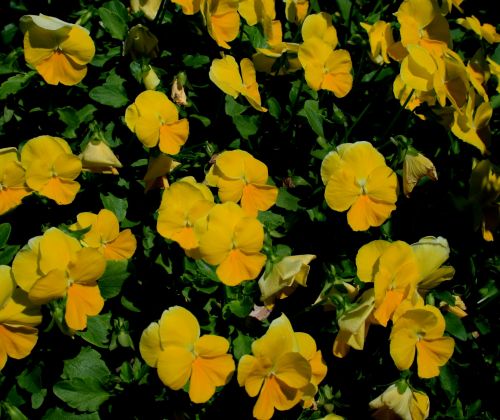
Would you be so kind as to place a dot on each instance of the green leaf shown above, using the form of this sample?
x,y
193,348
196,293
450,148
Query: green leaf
x,y
255,36
233,108
240,308
8,253
117,205
32,382
242,345
274,108
270,220
98,328
14,84
87,364
74,119
195,61
206,270
314,118
114,17
246,125
111,93
455,326
449,382
287,201
4,234
59,414
345,8
83,394
110,284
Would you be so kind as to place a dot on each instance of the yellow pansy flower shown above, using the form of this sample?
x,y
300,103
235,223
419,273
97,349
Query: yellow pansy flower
x,y
182,204
422,23
12,180
222,20
51,168
241,177
174,347
358,180
54,266
155,121
59,51
7,285
485,31
98,157
395,272
231,240
407,405
18,319
224,72
421,330
283,368
284,277
265,58
471,123
105,235
380,38
325,68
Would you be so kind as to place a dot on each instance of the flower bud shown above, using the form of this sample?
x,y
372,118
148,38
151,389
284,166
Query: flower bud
x,y
178,93
415,167
150,79
98,157
141,42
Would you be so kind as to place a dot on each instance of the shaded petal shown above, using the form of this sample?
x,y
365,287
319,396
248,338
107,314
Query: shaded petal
x,y
367,258
49,287
293,370
149,345
402,349
225,74
78,45
16,341
251,374
87,267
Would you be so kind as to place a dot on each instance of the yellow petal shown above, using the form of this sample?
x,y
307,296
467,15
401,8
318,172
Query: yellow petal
x,y
238,267
149,345
87,266
402,350
278,340
56,250
211,346
367,258
25,265
78,45
178,327
431,355
147,128
366,212
121,248
225,74
7,284
49,287
174,366
16,341
173,136
83,301
208,373
258,197
293,370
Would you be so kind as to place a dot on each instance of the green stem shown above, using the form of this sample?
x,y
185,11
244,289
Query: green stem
x,y
161,13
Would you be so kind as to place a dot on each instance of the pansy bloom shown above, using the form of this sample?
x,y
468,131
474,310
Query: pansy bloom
x,y
284,368
421,330
224,72
51,168
54,266
182,204
358,180
231,240
18,319
222,20
12,183
105,235
242,178
408,404
155,121
174,347
60,51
